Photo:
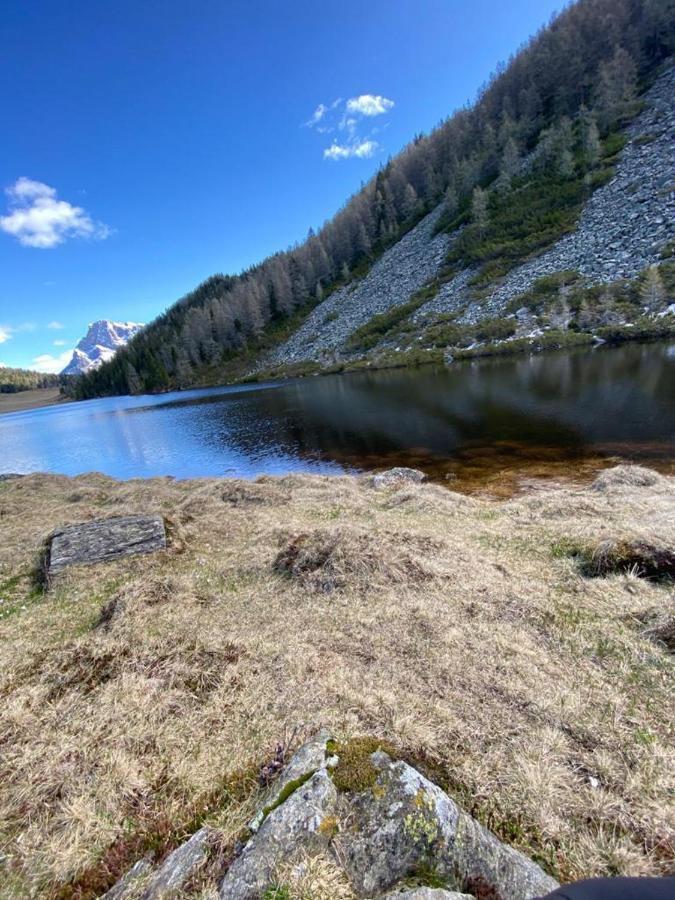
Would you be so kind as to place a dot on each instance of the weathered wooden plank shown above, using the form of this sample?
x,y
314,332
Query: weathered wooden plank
x,y
104,539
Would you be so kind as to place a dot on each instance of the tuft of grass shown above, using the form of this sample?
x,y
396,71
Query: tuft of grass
x,y
598,559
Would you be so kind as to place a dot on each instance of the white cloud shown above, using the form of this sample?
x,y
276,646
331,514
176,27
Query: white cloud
x,y
53,364
5,333
36,218
369,105
59,343
347,116
360,149
317,115
56,326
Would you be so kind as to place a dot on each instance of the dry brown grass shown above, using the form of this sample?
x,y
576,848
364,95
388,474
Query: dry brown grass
x,y
140,698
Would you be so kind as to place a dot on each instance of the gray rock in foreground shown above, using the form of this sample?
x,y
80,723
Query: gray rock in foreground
x,y
128,884
381,838
178,867
305,762
293,826
406,823
106,539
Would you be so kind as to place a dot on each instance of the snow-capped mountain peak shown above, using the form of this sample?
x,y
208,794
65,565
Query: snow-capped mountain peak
x,y
102,340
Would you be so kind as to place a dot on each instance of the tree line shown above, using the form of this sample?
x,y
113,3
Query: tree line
x,y
14,380
580,74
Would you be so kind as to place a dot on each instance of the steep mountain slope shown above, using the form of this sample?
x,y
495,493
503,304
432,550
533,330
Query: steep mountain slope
x,y
101,342
623,229
504,183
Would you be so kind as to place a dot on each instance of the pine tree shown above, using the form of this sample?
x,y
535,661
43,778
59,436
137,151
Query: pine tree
x,y
652,291
590,138
617,87
509,166
479,210
451,202
410,202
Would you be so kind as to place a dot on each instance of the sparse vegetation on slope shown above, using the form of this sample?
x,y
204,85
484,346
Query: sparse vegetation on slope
x,y
143,698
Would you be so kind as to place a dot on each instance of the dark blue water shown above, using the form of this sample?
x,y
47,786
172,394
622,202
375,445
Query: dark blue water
x,y
486,415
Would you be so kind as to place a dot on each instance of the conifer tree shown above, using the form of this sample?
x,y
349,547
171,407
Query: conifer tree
x,y
479,210
652,291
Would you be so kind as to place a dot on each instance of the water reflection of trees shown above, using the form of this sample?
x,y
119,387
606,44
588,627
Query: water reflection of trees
x,y
570,402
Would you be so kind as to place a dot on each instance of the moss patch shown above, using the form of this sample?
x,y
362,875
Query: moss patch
x,y
286,792
355,771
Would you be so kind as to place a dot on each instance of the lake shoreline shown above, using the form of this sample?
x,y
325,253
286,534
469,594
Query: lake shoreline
x,y
25,400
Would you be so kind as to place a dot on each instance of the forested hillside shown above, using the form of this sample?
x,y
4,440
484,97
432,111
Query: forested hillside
x,y
14,380
556,109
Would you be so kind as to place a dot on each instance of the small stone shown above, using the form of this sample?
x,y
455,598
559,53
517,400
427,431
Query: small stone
x,y
397,476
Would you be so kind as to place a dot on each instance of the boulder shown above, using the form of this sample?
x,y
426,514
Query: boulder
x,y
405,823
398,476
178,867
293,826
105,539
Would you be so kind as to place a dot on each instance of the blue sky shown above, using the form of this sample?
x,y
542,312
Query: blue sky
x,y
149,144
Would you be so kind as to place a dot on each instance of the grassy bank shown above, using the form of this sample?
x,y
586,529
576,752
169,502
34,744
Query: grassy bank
x,y
29,399
143,697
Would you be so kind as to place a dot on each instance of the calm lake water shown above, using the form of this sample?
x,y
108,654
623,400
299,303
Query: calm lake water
x,y
479,424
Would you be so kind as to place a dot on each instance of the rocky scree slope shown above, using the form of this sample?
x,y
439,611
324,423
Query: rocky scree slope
x,y
624,225
622,230
400,271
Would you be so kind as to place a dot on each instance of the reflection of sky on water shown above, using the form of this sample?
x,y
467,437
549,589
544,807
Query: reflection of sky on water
x,y
574,402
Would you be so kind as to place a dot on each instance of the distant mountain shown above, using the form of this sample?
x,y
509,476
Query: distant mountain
x,y
100,344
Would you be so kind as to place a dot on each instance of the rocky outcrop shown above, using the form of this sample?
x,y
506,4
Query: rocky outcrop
x,y
293,827
392,280
385,835
102,540
178,867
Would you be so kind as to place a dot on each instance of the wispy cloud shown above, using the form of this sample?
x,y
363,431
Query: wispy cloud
x,y
59,343
316,116
37,218
5,333
359,149
53,364
56,326
369,105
